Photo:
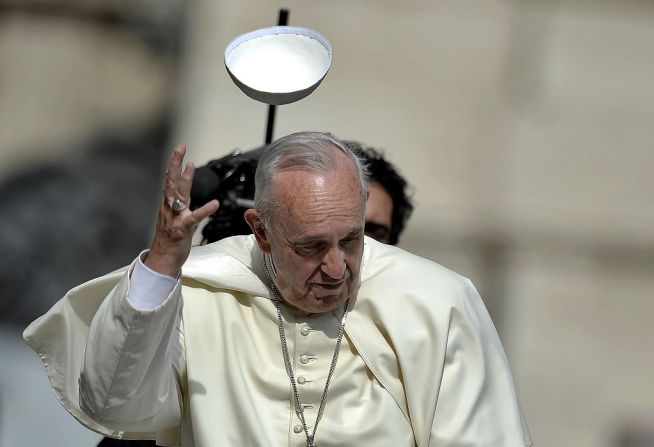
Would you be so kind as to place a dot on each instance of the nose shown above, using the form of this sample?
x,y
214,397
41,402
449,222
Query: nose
x,y
333,264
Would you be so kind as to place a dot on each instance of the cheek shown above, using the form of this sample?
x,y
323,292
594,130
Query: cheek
x,y
301,271
353,262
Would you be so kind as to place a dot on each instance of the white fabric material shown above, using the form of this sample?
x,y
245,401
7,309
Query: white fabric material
x,y
197,370
148,289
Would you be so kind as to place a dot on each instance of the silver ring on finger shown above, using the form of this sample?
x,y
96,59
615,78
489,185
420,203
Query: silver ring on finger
x,y
178,205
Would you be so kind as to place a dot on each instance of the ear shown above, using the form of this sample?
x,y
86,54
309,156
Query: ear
x,y
258,228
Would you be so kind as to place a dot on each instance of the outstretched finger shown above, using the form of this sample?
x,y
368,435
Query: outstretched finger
x,y
204,211
185,182
173,173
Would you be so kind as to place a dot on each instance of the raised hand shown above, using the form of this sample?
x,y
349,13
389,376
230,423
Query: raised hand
x,y
176,223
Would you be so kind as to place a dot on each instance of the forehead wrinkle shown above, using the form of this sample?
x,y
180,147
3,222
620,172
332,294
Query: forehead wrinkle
x,y
308,198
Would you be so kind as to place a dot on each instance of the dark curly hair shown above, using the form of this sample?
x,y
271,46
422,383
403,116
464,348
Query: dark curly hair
x,y
384,173
231,178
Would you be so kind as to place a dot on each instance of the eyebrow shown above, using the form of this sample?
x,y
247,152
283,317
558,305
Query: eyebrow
x,y
312,239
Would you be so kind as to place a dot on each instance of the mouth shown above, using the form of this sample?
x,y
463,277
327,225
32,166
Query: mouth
x,y
335,286
328,289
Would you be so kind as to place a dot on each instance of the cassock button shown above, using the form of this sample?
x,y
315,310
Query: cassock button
x,y
298,429
301,380
305,330
304,359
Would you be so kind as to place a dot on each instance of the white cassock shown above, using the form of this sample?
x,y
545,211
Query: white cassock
x,y
420,363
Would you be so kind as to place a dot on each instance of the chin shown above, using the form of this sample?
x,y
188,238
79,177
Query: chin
x,y
315,302
327,303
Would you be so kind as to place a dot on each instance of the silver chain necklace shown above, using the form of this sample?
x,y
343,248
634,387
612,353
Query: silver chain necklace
x,y
299,408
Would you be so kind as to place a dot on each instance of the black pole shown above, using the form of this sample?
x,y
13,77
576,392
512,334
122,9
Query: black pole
x,y
283,17
281,21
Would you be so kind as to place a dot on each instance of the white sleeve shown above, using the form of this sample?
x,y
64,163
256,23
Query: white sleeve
x,y
134,360
477,402
148,289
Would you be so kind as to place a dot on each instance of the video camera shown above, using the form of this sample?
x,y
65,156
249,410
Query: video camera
x,y
230,180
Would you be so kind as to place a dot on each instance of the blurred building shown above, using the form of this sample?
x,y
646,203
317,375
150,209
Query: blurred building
x,y
525,128
87,96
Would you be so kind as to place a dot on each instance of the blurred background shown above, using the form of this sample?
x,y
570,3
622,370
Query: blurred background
x,y
524,127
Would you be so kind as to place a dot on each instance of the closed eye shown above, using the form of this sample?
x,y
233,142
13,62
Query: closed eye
x,y
310,248
349,240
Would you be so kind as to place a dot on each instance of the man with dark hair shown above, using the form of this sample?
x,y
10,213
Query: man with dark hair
x,y
389,205
305,333
232,177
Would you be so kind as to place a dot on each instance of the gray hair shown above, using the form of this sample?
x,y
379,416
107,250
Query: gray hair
x,y
303,150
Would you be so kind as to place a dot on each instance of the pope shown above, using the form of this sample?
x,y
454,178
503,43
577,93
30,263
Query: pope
x,y
306,333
